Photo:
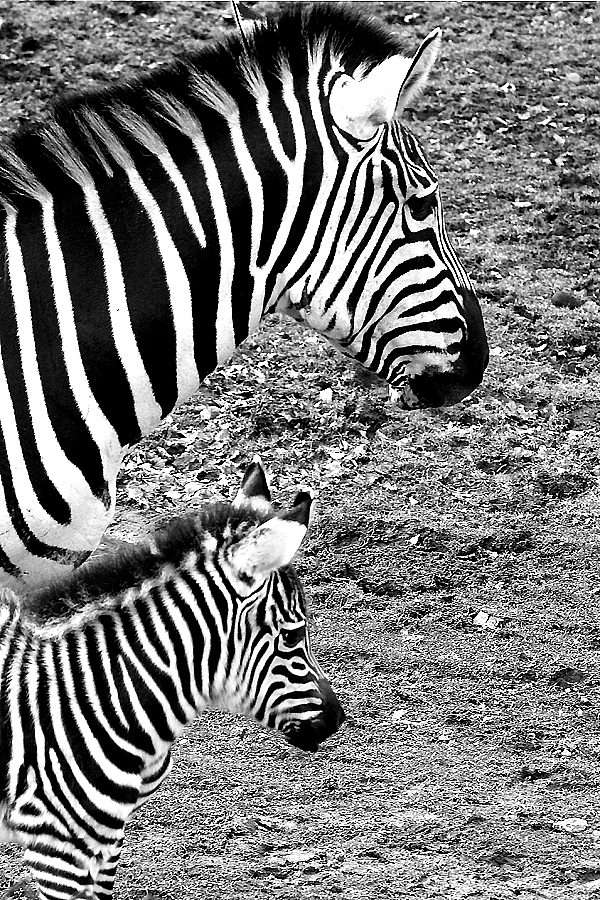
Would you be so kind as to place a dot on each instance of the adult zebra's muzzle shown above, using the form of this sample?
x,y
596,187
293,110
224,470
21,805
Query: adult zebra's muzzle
x,y
431,388
308,734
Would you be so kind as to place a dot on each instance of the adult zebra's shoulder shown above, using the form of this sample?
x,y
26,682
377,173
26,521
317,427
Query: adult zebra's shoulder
x,y
99,674
147,228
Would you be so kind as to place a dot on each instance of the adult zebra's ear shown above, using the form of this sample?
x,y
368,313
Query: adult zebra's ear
x,y
359,107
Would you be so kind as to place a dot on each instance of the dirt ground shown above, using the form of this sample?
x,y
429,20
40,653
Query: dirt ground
x,y
453,571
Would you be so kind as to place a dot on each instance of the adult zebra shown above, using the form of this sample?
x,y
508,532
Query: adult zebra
x,y
147,229
99,674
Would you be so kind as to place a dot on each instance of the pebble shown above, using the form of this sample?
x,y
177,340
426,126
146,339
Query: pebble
x,y
572,826
566,301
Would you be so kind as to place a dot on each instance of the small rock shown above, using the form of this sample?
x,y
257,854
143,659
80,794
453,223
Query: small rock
x,y
486,620
299,856
575,77
564,300
571,826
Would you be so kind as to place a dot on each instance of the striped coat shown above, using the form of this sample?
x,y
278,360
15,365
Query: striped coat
x,y
100,674
147,229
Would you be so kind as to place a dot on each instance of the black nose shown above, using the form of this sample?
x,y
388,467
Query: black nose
x,y
308,735
445,388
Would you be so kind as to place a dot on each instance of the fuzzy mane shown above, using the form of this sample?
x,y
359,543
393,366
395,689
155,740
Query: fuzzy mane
x,y
86,133
111,575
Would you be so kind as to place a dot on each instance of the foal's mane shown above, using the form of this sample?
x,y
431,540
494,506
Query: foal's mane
x,y
111,575
32,162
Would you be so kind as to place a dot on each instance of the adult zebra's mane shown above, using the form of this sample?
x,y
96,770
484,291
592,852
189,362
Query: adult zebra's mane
x,y
110,576
85,132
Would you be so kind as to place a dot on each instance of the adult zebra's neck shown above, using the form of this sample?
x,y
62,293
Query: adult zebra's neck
x,y
150,229
190,237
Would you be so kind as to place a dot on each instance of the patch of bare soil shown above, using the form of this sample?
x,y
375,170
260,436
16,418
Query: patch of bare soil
x,y
453,571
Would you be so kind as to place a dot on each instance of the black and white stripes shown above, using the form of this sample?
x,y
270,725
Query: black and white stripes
x,y
147,229
99,674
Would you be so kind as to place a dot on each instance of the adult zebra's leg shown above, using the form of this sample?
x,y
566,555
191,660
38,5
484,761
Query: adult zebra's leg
x,y
106,876
61,874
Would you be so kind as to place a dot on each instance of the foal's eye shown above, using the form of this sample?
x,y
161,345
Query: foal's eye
x,y
291,637
421,207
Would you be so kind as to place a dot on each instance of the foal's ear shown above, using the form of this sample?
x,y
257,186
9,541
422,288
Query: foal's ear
x,y
254,489
274,543
267,547
302,508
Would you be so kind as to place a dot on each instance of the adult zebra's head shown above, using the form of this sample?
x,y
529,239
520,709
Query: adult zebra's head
x,y
380,279
273,676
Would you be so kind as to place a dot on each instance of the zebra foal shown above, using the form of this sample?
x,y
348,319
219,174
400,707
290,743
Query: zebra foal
x,y
99,674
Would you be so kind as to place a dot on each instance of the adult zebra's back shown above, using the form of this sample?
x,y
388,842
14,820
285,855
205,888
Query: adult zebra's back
x,y
147,229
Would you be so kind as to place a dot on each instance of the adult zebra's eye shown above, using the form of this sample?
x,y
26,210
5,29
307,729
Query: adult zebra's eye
x,y
291,637
421,207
